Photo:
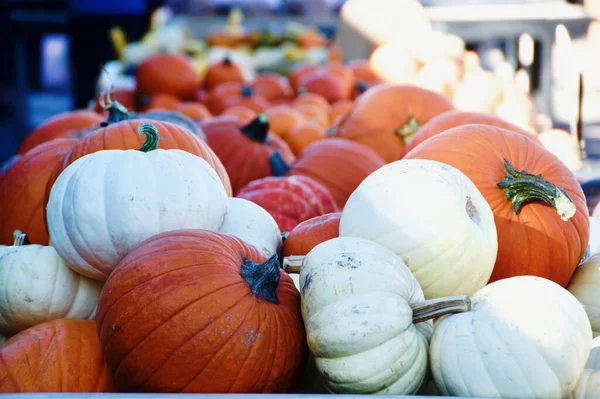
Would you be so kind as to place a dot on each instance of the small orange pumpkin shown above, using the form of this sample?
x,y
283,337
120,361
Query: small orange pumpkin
x,y
298,72
283,118
311,112
304,135
328,85
241,112
222,72
248,99
194,110
165,73
272,87
310,233
339,110
216,100
159,102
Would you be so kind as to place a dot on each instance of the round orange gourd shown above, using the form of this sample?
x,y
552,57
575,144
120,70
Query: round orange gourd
x,y
298,72
310,233
160,101
542,221
306,98
338,164
304,135
272,87
339,110
455,118
23,191
386,116
328,85
241,112
193,311
194,110
248,99
172,74
363,72
62,126
222,72
313,113
216,99
283,118
342,71
63,355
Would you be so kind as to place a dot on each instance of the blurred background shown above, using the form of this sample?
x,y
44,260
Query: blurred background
x,y
533,62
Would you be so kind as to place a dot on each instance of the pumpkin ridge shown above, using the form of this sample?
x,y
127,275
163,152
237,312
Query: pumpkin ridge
x,y
11,377
274,357
329,187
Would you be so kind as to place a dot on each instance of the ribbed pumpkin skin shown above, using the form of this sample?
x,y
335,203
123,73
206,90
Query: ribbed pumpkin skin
x,y
65,125
245,160
290,200
383,109
451,119
23,191
535,242
310,233
169,74
63,355
124,136
339,165
177,316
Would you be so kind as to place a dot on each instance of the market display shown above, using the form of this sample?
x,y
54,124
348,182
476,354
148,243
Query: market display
x,y
256,214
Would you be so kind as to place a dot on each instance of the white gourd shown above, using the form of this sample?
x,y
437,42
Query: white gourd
x,y
105,204
525,337
594,240
593,361
433,217
36,287
588,386
251,223
585,286
357,300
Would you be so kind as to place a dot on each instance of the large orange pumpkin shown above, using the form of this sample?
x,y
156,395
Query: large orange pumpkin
x,y
222,72
172,74
386,116
23,191
539,207
63,355
339,165
455,118
244,149
196,311
310,233
65,125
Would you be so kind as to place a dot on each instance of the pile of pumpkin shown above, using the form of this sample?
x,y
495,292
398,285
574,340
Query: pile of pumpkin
x,y
325,232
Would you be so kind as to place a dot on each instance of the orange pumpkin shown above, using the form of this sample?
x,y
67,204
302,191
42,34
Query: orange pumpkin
x,y
328,85
283,118
23,191
306,98
310,233
313,113
272,87
63,355
343,72
304,135
248,99
195,311
539,207
126,97
338,164
159,101
217,98
363,72
386,116
194,110
455,118
166,73
222,72
298,72
339,110
241,112
244,149
62,126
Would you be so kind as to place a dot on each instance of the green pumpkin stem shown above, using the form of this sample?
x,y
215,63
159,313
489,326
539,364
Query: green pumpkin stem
x,y
278,166
152,137
522,188
116,111
408,130
437,307
257,129
263,278
20,238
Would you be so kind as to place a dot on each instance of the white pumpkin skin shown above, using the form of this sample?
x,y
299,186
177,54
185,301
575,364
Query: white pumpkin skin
x,y
524,337
37,287
356,305
594,240
105,204
585,286
433,217
588,386
593,361
251,223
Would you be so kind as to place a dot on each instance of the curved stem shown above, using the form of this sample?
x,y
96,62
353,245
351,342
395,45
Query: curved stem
x,y
437,307
152,137
20,238
263,278
257,129
408,129
278,166
522,188
116,113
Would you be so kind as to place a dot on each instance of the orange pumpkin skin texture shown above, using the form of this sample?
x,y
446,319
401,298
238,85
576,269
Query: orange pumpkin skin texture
x,y
339,110
23,191
338,164
384,110
310,233
272,87
177,315
62,126
217,98
63,355
222,72
160,101
297,73
536,241
363,72
169,74
313,113
248,99
244,153
304,135
193,110
283,118
328,85
451,119
244,114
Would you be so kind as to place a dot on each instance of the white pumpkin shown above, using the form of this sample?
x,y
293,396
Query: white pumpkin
x,y
588,386
105,204
525,337
585,285
38,287
357,300
593,361
433,217
594,240
253,224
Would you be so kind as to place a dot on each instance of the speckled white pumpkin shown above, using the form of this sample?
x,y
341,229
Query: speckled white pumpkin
x,y
251,223
356,305
433,217
585,285
525,337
